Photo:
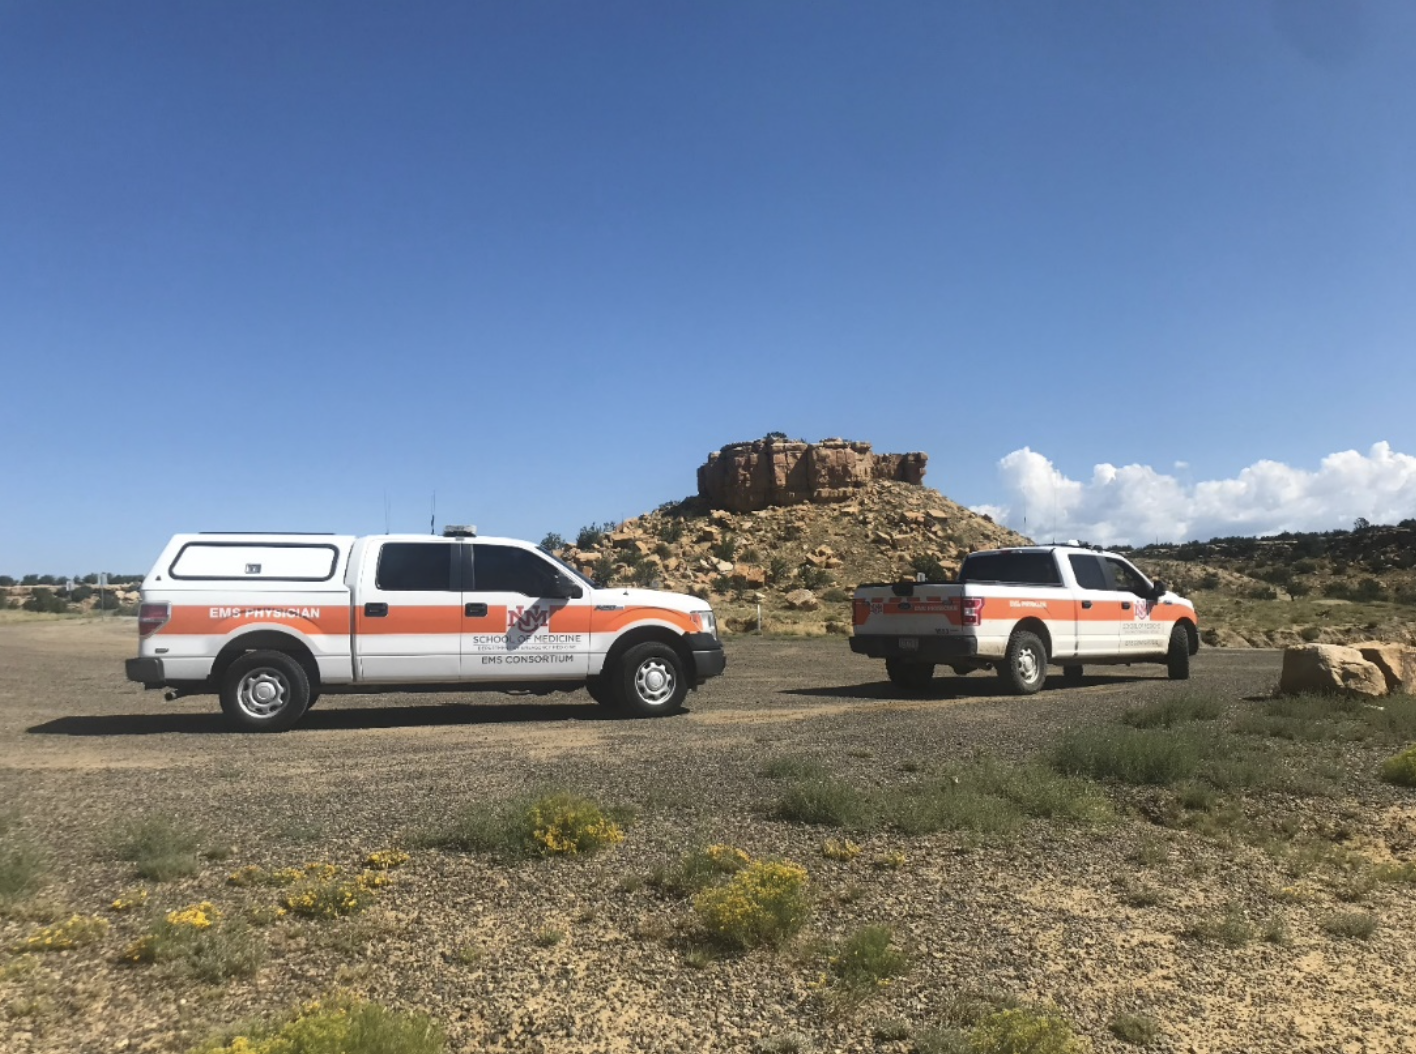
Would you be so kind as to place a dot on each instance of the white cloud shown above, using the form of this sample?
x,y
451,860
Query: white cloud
x,y
1135,504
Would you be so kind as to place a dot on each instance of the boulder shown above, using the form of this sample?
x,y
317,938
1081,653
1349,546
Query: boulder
x,y
1329,669
802,600
1396,661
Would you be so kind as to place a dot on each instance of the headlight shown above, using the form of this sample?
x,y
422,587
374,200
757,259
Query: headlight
x,y
706,621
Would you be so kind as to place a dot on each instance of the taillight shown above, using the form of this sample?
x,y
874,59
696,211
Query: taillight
x,y
972,609
152,617
860,611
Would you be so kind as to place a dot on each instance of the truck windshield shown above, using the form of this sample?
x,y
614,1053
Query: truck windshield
x,y
574,574
1011,568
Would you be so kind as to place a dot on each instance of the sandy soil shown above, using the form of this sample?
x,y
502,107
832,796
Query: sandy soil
x,y
1040,915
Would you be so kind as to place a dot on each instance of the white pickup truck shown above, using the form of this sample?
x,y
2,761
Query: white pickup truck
x,y
272,621
1017,610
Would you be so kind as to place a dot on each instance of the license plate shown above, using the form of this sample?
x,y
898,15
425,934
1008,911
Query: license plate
x,y
909,644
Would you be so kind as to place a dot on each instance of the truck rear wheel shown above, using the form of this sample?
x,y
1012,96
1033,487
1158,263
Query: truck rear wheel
x,y
906,674
1177,658
264,691
650,680
1024,665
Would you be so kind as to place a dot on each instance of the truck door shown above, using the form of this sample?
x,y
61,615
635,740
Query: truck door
x,y
522,619
1139,632
408,623
1098,608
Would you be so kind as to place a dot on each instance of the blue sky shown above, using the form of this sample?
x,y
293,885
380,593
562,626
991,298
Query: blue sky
x,y
283,265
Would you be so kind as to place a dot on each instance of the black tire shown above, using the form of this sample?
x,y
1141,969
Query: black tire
x,y
265,691
1072,675
1024,665
1177,659
604,690
904,673
650,680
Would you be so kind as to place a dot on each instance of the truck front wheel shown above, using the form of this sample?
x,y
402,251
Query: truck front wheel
x,y
264,691
1024,665
1177,659
650,680
906,674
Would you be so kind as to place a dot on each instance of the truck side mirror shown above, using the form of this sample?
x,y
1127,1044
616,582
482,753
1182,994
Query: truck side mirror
x,y
563,589
1158,589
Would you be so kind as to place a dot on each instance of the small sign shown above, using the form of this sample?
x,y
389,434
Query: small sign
x,y
102,578
253,569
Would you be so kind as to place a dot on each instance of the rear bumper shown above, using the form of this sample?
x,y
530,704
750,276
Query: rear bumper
x,y
928,649
146,671
709,659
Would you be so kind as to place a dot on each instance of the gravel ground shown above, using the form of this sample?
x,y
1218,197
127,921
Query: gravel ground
x,y
1040,915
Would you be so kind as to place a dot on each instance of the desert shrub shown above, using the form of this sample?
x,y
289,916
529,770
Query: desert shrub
x,y
80,593
1023,1030
929,565
73,932
1129,755
552,541
763,904
830,802
1401,769
1210,581
794,767
671,530
1310,633
45,601
1369,589
161,849
1230,927
1178,709
1355,925
843,850
555,824
867,960
778,569
592,534
645,574
341,1025
1136,1029
700,869
836,595
814,578
201,942
725,548
329,896
22,866
385,859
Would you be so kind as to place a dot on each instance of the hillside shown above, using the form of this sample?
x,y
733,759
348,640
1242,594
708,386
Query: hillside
x,y
887,530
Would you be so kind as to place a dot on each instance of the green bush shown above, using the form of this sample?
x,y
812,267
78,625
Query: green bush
x,y
763,904
45,601
866,960
700,869
161,849
1176,710
1025,1031
22,866
339,1026
1401,769
1129,755
552,541
554,824
1136,1029
200,943
929,565
830,802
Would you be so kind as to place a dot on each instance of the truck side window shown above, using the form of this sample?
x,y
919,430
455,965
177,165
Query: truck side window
x,y
1125,578
1011,568
506,569
406,567
1088,571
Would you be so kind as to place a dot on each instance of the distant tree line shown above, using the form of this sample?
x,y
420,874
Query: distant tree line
x,y
90,579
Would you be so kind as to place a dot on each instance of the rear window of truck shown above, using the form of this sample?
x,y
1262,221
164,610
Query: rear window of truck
x,y
255,561
1011,569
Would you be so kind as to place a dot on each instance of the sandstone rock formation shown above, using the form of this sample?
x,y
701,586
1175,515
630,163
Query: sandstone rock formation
x,y
1329,669
744,477
1396,661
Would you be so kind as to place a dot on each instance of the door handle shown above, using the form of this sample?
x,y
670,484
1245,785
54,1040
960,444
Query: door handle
x,y
375,609
1086,603
475,610
1125,605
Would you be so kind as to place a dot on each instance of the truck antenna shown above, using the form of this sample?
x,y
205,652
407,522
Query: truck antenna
x,y
433,518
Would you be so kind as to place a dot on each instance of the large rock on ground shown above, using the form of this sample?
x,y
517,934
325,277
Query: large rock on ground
x,y
744,477
1329,669
1396,661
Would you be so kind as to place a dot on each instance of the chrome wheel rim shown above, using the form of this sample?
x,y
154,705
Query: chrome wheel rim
x,y
654,682
1028,666
263,693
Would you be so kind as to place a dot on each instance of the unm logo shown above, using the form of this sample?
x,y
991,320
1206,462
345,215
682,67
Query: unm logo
x,y
1143,611
527,620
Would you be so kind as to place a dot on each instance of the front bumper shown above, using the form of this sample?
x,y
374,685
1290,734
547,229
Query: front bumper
x,y
709,659
927,649
146,671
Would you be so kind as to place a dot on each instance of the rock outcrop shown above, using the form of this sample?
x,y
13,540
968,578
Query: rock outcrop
x,y
1396,661
1330,669
744,477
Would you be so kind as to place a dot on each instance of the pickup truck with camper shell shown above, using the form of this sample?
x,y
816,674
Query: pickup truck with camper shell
x,y
1019,610
270,622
